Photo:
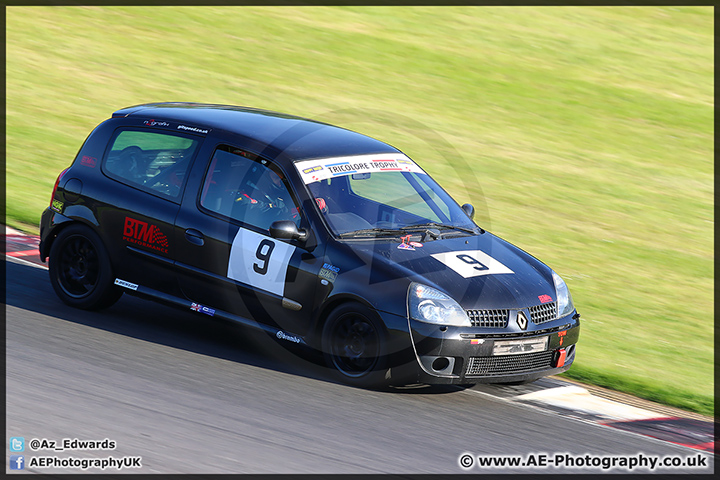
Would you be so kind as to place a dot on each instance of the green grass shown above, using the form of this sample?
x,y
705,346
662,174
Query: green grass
x,y
583,135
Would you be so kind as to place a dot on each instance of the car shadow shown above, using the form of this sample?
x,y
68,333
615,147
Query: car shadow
x,y
29,288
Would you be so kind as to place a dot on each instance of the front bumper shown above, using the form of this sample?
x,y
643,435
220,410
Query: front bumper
x,y
466,355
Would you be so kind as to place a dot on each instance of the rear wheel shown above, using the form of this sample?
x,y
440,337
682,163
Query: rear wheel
x,y
354,345
80,269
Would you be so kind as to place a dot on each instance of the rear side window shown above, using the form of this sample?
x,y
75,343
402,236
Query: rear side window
x,y
156,162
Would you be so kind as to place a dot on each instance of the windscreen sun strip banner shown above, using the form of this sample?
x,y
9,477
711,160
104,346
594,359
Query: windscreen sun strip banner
x,y
323,168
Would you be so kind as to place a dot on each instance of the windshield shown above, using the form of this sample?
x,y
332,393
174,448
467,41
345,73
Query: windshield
x,y
379,194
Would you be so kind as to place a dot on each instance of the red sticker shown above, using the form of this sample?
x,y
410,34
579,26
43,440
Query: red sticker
x,y
416,244
144,234
88,161
545,298
405,245
561,335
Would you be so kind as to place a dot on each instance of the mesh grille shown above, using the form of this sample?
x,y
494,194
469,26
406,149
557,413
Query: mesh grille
x,y
488,318
509,364
543,313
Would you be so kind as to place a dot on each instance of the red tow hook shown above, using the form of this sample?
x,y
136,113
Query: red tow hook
x,y
559,358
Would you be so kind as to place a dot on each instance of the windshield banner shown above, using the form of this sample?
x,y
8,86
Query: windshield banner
x,y
320,169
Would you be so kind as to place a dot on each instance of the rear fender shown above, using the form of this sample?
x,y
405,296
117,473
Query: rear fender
x,y
57,222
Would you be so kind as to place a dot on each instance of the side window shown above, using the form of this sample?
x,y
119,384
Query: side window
x,y
156,162
242,186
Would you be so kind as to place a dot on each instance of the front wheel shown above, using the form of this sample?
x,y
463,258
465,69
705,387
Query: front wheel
x,y
80,269
354,345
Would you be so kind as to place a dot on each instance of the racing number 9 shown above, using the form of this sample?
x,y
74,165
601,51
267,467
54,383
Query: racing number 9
x,y
263,257
472,261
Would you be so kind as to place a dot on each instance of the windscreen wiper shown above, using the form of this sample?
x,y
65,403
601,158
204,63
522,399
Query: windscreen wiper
x,y
426,226
372,231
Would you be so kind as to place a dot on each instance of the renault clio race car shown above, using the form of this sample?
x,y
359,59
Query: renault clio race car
x,y
317,235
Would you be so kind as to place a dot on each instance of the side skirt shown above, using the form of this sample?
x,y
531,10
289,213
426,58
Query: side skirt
x,y
173,301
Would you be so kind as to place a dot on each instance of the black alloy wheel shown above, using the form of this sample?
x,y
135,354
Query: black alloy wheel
x,y
80,269
354,345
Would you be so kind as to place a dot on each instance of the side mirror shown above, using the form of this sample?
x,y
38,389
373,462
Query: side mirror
x,y
469,210
287,230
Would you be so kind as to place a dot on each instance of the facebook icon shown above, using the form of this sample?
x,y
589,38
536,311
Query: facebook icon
x,y
17,462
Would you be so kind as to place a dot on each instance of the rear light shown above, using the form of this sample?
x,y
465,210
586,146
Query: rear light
x,y
57,182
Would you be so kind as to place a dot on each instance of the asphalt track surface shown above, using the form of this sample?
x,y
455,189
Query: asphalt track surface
x,y
191,394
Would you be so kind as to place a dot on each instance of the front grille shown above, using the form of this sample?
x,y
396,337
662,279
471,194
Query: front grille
x,y
543,313
489,318
508,364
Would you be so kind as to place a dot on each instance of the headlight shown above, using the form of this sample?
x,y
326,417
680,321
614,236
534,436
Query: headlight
x,y
429,305
565,303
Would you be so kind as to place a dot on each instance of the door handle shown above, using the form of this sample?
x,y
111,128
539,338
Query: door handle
x,y
195,237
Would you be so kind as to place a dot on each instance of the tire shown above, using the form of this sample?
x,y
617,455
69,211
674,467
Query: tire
x,y
354,345
80,269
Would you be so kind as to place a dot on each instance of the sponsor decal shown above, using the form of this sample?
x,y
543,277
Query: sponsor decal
x,y
561,336
344,168
196,307
544,298
290,338
329,272
145,234
405,245
312,169
321,169
155,123
385,165
192,129
477,341
88,161
331,267
124,284
520,346
57,205
415,244
522,321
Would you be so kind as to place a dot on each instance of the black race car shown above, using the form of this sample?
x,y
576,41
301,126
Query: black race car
x,y
320,236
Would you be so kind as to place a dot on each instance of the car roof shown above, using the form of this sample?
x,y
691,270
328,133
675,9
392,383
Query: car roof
x,y
294,137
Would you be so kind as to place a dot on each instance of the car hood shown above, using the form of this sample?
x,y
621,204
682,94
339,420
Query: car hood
x,y
479,272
